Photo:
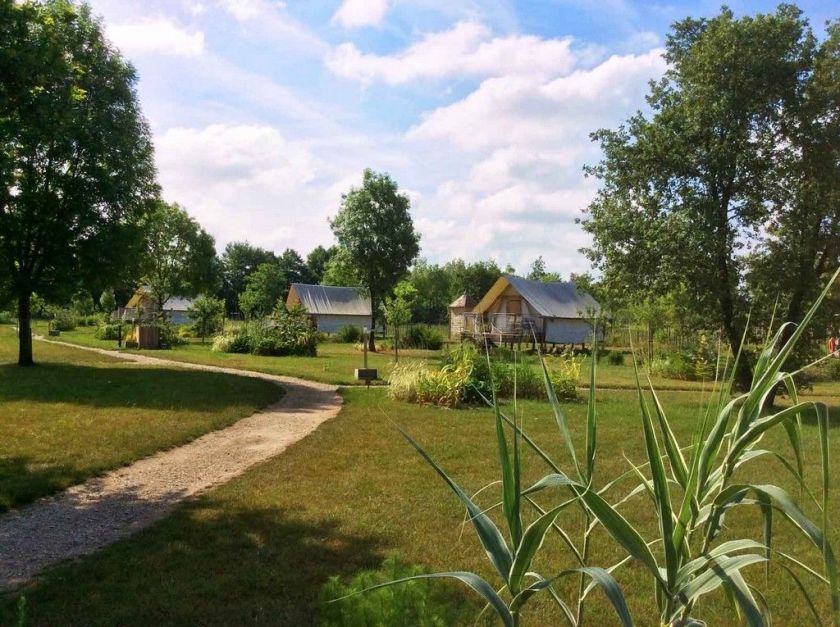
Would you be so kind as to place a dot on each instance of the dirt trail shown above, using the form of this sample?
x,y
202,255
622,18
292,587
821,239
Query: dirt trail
x,y
92,515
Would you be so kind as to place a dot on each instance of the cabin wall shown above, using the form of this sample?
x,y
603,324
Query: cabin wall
x,y
330,323
568,331
499,306
456,321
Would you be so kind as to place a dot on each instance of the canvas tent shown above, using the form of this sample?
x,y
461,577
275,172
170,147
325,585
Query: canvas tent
x,y
141,305
457,310
331,307
555,312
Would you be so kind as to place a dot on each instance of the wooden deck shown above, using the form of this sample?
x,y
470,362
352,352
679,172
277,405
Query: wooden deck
x,y
502,329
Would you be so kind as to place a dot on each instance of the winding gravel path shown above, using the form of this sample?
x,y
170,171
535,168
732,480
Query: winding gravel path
x,y
92,515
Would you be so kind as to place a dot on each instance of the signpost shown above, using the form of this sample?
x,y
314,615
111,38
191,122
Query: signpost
x,y
366,374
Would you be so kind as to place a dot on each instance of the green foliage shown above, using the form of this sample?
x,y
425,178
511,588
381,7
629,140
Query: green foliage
x,y
111,331
179,257
615,358
169,333
420,603
82,304
6,317
63,319
690,489
207,315
376,234
421,336
415,382
733,158
238,261
70,212
539,273
317,261
349,334
285,333
264,289
832,368
107,301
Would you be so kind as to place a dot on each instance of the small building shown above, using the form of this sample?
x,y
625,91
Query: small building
x,y
519,310
331,307
457,310
141,305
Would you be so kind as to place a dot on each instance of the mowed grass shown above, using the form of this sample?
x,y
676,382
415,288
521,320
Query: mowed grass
x,y
335,362
76,414
257,550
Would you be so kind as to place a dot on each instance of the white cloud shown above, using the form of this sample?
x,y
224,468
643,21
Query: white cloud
x,y
525,140
355,13
468,48
156,35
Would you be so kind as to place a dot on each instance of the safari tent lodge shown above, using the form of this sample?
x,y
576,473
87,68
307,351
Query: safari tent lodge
x,y
516,310
331,307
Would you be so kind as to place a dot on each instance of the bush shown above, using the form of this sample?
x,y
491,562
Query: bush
x,y
169,336
90,320
285,333
422,336
615,358
564,372
63,319
110,331
349,334
832,368
6,317
421,602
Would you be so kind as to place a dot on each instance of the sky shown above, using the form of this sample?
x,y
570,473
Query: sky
x,y
264,112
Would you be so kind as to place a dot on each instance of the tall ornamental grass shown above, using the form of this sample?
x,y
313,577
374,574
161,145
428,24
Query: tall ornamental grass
x,y
692,486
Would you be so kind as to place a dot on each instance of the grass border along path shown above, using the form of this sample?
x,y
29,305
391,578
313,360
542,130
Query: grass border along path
x,y
102,510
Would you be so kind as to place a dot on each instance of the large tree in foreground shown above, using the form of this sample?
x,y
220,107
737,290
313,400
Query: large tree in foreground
x,y
180,257
731,167
76,166
376,233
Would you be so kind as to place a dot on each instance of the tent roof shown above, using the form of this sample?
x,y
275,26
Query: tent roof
x,y
555,299
329,299
464,300
176,303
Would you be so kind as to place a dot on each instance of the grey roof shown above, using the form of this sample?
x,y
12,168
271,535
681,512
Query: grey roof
x,y
330,299
464,300
177,303
555,299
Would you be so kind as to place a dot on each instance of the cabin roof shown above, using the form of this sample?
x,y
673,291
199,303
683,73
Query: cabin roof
x,y
464,300
329,299
554,299
176,303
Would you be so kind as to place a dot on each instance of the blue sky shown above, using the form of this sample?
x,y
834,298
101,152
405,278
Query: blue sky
x,y
264,112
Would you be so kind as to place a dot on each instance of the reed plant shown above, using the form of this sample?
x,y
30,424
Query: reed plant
x,y
691,486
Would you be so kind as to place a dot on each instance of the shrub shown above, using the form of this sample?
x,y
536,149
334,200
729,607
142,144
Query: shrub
x,y
564,373
285,333
90,320
169,336
672,366
615,358
110,331
421,336
349,334
421,602
832,369
6,317
63,319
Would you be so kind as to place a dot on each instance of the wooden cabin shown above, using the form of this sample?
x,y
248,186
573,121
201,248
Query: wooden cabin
x,y
457,310
331,307
517,310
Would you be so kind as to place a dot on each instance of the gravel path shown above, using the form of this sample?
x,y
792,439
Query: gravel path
x,y
104,509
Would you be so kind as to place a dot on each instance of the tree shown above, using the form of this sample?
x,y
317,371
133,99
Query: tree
x,y
339,271
475,279
398,310
180,256
686,192
107,301
434,292
293,266
375,230
316,262
76,166
238,261
539,273
208,316
263,291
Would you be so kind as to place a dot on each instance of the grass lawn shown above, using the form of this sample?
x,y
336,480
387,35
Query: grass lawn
x,y
335,362
257,550
76,414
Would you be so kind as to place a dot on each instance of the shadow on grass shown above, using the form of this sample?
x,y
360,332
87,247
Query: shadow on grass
x,y
22,480
116,386
810,417
210,563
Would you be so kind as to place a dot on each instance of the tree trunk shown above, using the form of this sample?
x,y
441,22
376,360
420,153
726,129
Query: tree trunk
x,y
371,339
25,330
